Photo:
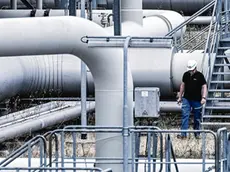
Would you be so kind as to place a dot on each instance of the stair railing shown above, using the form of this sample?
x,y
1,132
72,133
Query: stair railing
x,y
212,42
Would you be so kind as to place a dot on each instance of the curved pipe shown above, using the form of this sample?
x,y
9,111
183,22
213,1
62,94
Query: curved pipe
x,y
63,35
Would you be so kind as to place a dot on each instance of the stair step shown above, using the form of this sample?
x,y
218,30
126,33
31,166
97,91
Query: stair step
x,y
221,65
217,107
219,90
219,99
215,123
220,82
221,56
217,116
221,73
223,48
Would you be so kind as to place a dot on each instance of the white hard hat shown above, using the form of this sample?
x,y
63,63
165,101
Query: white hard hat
x,y
192,64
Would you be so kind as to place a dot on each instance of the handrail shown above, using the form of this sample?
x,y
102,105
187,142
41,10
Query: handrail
x,y
193,38
211,43
23,149
198,45
195,15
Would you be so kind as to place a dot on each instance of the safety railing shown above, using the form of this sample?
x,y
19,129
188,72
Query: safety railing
x,y
212,42
27,149
222,150
188,41
163,158
150,149
72,135
53,169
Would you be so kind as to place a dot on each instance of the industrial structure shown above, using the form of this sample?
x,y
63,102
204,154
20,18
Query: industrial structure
x,y
65,53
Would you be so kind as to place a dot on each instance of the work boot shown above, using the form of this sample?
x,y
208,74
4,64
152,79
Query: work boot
x,y
181,137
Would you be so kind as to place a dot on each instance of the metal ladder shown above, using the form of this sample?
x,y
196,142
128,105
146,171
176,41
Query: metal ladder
x,y
216,111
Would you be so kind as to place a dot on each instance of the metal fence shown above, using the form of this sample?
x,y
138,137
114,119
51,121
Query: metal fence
x,y
150,149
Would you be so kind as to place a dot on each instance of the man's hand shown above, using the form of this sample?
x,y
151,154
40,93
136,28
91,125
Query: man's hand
x,y
203,100
179,100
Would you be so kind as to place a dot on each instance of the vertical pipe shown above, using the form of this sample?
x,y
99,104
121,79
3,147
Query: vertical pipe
x,y
117,17
39,4
125,107
132,11
83,82
13,4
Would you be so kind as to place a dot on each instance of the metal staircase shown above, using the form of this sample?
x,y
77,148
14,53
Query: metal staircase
x,y
216,111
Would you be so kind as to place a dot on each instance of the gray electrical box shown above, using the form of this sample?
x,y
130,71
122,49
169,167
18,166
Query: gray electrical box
x,y
147,102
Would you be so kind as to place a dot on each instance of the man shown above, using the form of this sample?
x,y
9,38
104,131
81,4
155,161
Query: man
x,y
193,90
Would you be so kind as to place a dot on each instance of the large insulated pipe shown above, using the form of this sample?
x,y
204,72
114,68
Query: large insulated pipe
x,y
98,15
43,121
47,3
63,35
186,7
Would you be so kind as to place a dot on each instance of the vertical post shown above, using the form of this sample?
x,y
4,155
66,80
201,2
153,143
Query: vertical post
x,y
225,149
117,17
83,82
72,8
83,8
226,9
90,10
65,5
39,4
29,155
228,153
203,151
125,107
167,153
13,4
154,151
94,4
